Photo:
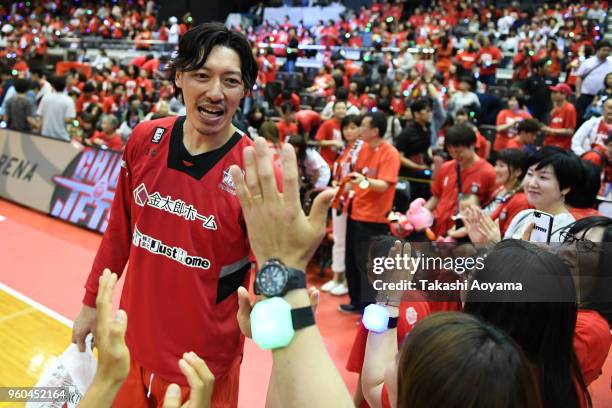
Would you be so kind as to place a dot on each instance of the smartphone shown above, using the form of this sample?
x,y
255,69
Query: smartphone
x,y
542,229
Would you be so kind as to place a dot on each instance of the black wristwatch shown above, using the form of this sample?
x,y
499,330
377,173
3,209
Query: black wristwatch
x,y
276,279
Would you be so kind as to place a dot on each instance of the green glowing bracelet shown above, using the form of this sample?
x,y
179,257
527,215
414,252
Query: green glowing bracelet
x,y
271,323
274,323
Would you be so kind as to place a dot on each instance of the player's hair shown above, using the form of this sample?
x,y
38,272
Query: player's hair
x,y
566,165
442,342
515,159
195,47
548,295
379,121
460,135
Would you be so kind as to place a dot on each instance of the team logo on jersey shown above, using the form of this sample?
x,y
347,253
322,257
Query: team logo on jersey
x,y
411,315
177,207
157,136
227,184
155,246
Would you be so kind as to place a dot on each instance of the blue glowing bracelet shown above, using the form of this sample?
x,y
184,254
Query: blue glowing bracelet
x,y
376,318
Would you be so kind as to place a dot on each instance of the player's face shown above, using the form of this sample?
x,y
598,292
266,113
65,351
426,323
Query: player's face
x,y
212,93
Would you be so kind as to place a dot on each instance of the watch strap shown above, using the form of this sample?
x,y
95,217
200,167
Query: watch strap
x,y
302,317
297,280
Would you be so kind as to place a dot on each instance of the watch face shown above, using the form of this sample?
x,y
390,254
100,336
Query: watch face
x,y
272,279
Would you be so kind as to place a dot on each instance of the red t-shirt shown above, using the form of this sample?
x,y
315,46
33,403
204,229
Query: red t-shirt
x,y
506,211
294,100
183,231
580,213
596,156
308,119
562,118
83,102
381,163
286,129
478,179
329,130
113,141
486,57
110,105
482,145
592,341
467,59
503,118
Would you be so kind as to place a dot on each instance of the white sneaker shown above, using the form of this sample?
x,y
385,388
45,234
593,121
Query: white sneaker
x,y
329,286
340,290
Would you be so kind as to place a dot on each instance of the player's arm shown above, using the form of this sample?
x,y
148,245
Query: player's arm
x,y
112,253
305,373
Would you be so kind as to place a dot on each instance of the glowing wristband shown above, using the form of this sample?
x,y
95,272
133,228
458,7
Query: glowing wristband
x,y
271,323
376,318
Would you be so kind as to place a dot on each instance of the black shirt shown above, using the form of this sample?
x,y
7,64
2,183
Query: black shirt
x,y
413,140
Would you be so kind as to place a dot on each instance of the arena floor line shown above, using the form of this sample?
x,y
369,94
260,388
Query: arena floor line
x,y
44,265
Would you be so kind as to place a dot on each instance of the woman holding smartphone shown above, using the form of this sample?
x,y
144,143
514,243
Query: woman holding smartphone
x,y
551,174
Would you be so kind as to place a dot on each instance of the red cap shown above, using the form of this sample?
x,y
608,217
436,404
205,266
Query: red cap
x,y
563,88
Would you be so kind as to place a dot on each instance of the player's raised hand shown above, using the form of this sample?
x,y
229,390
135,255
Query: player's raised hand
x,y
276,224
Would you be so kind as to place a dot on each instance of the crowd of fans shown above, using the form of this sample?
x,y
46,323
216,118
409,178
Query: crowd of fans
x,y
487,114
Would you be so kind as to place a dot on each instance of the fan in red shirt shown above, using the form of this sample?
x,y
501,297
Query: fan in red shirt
x,y
287,126
111,103
308,120
477,177
329,135
108,137
468,57
489,58
562,119
86,98
483,146
507,121
373,180
177,218
508,199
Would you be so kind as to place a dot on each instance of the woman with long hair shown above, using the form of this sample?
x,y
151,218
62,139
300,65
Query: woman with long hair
x,y
541,317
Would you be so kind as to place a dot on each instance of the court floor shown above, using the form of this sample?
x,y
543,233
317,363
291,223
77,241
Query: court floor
x,y
44,264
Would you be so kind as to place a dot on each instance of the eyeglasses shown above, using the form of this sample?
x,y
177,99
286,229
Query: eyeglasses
x,y
582,244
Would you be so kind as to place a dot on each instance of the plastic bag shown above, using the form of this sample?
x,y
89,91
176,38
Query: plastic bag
x,y
72,371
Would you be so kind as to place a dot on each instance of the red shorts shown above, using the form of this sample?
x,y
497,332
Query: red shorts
x,y
139,391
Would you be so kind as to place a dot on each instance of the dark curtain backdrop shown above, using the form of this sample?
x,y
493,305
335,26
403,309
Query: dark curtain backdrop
x,y
203,10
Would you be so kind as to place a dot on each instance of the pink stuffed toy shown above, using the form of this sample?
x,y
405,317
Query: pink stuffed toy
x,y
416,218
